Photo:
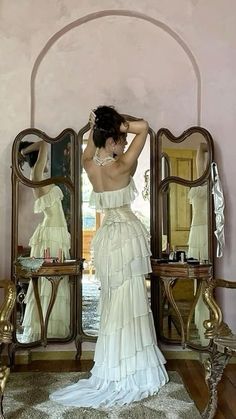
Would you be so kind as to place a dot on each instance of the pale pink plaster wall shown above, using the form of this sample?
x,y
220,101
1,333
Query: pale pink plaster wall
x,y
125,61
122,60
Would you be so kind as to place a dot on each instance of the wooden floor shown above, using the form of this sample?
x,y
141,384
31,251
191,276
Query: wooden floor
x,y
191,372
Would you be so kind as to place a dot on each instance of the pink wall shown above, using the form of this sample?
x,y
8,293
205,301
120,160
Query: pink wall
x,y
170,62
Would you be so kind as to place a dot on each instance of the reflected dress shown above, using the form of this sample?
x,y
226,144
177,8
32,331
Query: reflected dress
x,y
128,363
51,233
198,248
198,236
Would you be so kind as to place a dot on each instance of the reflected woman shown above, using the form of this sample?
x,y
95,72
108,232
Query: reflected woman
x,y
198,236
128,363
51,233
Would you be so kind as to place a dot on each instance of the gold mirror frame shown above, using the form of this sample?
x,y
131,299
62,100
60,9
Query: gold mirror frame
x,y
73,270
157,185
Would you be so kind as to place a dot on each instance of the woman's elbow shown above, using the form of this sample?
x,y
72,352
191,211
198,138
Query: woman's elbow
x,y
145,125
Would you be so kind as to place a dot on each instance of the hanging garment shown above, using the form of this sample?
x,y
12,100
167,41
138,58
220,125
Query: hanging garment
x,y
219,206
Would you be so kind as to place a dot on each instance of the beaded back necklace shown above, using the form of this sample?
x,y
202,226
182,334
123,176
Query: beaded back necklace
x,y
99,161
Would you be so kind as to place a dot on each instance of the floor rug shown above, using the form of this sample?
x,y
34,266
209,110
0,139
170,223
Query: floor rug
x,y
26,397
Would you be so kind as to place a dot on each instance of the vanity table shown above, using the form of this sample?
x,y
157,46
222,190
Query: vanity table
x,y
168,273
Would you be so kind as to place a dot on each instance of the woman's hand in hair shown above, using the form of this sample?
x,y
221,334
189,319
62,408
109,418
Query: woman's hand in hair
x,y
92,118
124,127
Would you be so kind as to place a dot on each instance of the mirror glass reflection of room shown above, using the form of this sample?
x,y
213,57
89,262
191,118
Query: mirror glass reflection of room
x,y
185,226
44,223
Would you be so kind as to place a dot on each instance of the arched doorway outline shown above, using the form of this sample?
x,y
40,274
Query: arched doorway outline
x,y
104,13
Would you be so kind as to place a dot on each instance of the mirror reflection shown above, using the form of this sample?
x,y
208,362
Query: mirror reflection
x,y
192,309
187,235
184,225
187,159
198,234
48,207
185,220
58,156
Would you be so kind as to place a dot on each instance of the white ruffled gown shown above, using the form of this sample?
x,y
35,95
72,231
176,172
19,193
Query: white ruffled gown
x,y
51,233
128,364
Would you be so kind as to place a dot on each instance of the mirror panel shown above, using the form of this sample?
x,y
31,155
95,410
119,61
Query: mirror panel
x,y
184,229
44,222
91,221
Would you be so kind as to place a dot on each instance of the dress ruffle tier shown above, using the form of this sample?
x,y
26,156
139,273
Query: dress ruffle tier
x,y
128,363
54,195
121,248
53,238
113,199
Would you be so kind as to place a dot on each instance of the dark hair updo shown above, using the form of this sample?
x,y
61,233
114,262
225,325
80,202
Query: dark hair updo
x,y
31,157
107,124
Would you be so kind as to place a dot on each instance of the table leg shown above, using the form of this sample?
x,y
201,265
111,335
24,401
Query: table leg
x,y
214,368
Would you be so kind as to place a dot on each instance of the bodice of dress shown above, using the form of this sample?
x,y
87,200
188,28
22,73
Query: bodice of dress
x,y
120,198
50,205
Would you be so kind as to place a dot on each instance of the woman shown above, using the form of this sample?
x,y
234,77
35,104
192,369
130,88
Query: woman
x,y
51,233
128,364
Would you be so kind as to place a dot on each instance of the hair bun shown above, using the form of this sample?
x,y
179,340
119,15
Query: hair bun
x,y
106,118
107,124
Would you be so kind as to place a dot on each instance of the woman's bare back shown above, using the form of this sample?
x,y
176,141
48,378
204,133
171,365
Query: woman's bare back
x,y
106,178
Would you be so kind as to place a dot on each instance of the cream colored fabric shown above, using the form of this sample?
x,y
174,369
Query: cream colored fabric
x,y
128,364
198,236
52,233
